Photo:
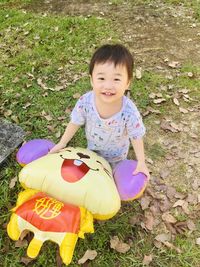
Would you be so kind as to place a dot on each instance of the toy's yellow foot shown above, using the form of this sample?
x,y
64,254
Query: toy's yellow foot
x,y
34,248
67,247
13,228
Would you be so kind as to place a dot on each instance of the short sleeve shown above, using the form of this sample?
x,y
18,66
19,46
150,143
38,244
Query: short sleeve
x,y
135,126
78,112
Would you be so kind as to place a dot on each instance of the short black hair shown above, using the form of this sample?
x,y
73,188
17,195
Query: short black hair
x,y
116,53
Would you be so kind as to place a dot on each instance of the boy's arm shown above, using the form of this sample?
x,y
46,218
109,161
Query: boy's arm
x,y
70,131
138,146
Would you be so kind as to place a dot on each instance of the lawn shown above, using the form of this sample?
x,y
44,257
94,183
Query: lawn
x,y
43,71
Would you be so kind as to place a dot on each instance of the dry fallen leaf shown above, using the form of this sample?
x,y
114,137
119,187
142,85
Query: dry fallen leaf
x,y
16,80
58,134
166,125
51,128
171,228
176,102
147,259
167,217
150,161
61,118
8,113
198,241
159,100
175,126
179,195
41,84
165,205
157,244
68,110
138,73
24,234
171,192
190,74
135,220
149,221
15,119
59,87
195,184
48,117
89,255
191,225
180,227
170,245
183,110
152,95
180,202
72,62
183,91
28,104
76,95
192,198
13,182
118,245
30,75
21,243
164,173
26,260
163,237
185,208
144,202
45,94
174,64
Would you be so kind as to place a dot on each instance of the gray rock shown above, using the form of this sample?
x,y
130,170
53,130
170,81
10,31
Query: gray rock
x,y
11,136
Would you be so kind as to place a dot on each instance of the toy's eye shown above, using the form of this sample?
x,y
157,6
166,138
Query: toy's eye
x,y
77,162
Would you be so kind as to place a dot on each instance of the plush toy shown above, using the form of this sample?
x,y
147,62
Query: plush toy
x,y
49,219
33,150
64,191
129,186
77,176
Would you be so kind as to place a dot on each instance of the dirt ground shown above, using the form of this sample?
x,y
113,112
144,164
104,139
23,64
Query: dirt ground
x,y
153,32
157,34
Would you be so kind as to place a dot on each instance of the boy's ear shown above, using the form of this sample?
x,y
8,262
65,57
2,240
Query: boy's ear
x,y
129,82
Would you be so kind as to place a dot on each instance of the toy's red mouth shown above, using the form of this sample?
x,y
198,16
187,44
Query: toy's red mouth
x,y
73,170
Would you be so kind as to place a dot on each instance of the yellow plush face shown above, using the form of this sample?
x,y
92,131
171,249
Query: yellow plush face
x,y
77,176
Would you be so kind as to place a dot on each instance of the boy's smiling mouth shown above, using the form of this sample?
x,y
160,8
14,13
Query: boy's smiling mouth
x,y
108,93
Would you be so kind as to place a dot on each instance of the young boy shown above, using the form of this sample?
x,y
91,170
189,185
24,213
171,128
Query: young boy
x,y
111,119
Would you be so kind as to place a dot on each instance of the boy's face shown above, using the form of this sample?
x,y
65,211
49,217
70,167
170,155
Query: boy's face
x,y
109,82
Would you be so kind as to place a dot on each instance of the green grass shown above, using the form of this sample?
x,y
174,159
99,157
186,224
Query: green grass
x,y
56,49
156,151
49,48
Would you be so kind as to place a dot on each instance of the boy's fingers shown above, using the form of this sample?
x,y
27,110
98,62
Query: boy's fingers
x,y
52,151
135,172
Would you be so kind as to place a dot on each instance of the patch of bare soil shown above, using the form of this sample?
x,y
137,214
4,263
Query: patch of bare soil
x,y
159,34
153,32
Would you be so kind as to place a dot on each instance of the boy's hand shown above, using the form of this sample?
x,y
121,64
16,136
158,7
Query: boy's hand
x,y
142,167
57,148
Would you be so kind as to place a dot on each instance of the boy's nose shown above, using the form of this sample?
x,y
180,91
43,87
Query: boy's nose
x,y
108,85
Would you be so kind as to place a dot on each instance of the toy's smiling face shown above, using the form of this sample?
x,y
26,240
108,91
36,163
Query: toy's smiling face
x,y
77,176
74,169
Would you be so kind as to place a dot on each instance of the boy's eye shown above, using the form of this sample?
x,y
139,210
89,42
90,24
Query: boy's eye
x,y
101,78
116,79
